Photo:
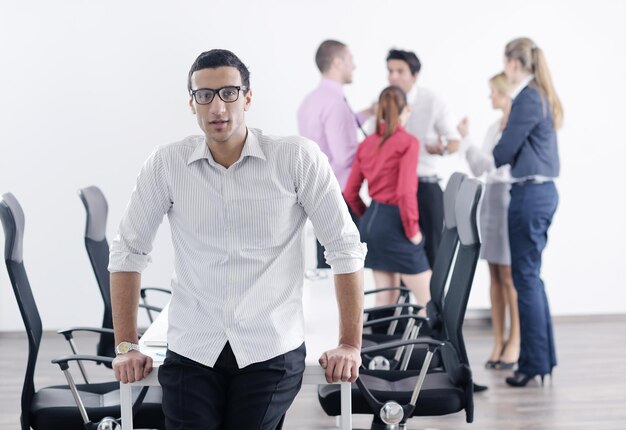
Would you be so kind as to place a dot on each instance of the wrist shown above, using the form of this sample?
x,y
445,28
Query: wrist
x,y
351,346
125,347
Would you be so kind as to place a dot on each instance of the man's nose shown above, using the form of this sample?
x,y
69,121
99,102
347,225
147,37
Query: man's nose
x,y
217,106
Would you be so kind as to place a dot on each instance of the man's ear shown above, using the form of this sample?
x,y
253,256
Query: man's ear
x,y
246,105
191,106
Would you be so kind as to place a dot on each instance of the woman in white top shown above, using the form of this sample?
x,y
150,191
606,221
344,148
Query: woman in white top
x,y
494,229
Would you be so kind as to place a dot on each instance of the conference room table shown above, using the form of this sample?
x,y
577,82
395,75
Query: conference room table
x,y
321,334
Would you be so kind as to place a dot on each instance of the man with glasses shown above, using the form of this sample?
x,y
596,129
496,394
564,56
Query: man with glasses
x,y
326,118
237,201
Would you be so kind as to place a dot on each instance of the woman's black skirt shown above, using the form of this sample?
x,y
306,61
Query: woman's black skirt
x,y
388,248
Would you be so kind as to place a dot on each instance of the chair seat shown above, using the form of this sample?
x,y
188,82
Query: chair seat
x,y
437,397
54,407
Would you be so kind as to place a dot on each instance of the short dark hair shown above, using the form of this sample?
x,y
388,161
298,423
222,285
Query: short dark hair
x,y
219,58
408,57
327,51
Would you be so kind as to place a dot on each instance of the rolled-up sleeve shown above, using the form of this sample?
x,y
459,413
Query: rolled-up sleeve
x,y
319,194
149,202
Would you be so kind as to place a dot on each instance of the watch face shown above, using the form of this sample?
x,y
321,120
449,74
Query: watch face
x,y
123,347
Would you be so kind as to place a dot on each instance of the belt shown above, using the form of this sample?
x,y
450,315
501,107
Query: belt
x,y
429,179
531,180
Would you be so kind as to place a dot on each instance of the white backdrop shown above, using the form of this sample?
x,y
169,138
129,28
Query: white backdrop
x,y
88,89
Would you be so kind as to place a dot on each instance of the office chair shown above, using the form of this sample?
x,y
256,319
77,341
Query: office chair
x,y
98,250
395,396
445,253
72,406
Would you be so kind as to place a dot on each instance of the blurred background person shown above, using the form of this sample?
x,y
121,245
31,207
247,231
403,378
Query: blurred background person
x,y
431,122
388,160
326,118
529,145
494,228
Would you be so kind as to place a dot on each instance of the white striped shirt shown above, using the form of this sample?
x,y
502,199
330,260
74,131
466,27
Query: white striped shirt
x,y
238,241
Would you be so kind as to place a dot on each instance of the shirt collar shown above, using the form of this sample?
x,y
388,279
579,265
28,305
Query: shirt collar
x,y
251,148
521,86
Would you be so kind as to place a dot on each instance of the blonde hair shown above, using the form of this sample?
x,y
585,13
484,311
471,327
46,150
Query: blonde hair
x,y
391,103
500,83
532,60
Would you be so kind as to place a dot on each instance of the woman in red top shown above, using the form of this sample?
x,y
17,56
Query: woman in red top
x,y
389,226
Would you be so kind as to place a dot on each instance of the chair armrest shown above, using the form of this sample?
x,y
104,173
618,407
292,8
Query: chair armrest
x,y
68,332
392,307
159,289
150,307
380,290
380,321
63,362
407,409
432,345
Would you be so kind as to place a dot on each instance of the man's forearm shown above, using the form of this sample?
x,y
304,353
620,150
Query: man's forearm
x,y
125,288
349,292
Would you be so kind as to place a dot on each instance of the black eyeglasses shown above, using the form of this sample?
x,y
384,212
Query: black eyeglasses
x,y
228,94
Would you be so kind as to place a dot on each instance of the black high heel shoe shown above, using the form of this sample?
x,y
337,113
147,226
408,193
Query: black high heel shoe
x,y
502,365
520,379
491,364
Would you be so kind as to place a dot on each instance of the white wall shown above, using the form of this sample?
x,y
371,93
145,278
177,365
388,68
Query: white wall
x,y
88,89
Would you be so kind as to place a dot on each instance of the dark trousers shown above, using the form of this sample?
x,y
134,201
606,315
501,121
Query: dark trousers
x,y
224,397
430,208
321,261
530,215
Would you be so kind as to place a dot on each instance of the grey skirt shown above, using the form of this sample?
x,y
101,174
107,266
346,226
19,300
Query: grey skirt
x,y
494,228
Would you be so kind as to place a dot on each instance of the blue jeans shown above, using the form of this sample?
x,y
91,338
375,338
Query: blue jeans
x,y
530,215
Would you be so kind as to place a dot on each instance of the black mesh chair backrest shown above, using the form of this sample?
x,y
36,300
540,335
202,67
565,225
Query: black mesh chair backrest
x,y
447,248
454,354
12,218
465,265
98,250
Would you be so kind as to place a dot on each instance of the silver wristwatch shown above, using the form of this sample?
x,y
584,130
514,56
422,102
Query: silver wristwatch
x,y
125,347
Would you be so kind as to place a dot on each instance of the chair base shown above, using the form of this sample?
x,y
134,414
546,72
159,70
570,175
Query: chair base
x,y
378,425
389,427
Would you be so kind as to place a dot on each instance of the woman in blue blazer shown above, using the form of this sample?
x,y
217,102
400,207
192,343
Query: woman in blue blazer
x,y
529,145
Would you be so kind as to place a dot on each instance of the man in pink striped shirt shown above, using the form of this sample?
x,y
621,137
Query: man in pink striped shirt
x,y
326,118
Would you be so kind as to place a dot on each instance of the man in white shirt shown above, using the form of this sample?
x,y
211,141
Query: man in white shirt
x,y
430,121
237,201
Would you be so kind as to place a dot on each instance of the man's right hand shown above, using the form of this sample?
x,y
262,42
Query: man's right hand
x,y
132,366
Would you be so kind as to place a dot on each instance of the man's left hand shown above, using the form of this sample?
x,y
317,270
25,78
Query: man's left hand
x,y
341,363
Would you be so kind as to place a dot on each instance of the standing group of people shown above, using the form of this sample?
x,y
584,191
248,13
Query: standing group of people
x,y
412,128
403,241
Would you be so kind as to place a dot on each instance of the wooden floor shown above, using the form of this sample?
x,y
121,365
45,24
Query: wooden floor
x,y
588,388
